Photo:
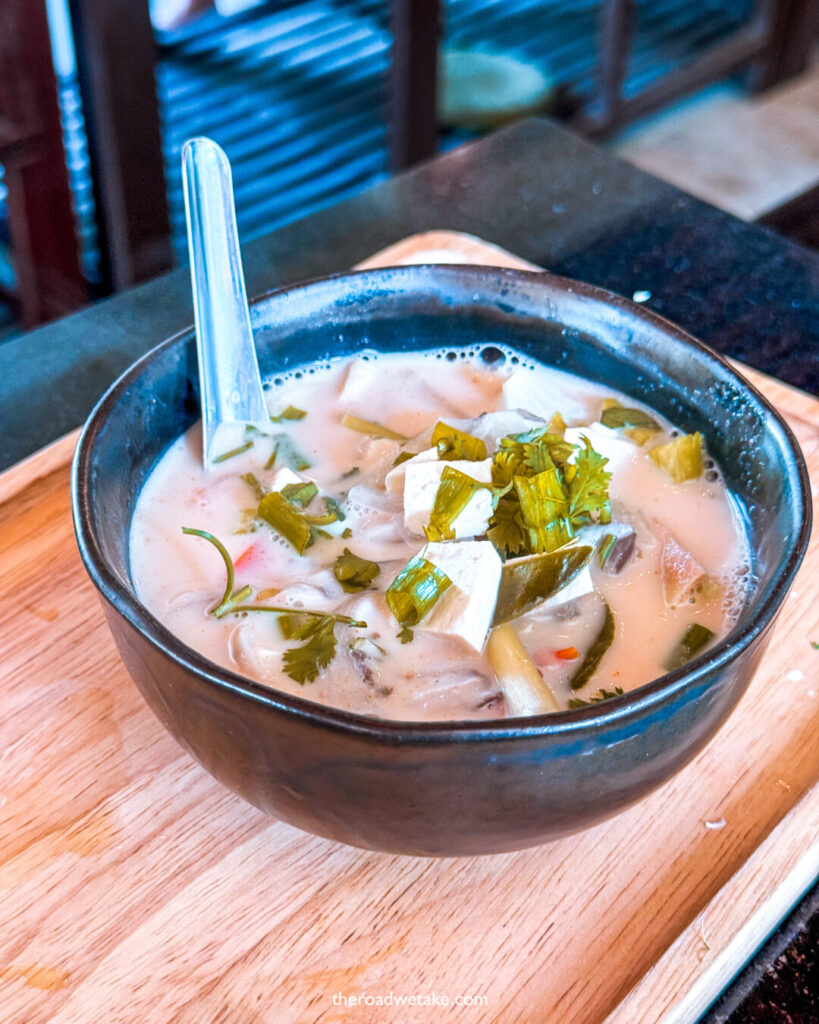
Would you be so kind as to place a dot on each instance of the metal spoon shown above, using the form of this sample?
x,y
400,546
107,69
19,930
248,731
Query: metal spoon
x,y
231,387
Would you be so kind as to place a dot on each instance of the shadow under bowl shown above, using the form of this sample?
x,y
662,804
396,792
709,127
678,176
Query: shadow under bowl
x,y
445,788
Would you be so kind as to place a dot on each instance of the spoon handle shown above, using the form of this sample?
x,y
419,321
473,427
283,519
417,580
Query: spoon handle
x,y
231,387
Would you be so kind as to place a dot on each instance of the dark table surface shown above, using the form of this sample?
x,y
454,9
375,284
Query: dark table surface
x,y
554,199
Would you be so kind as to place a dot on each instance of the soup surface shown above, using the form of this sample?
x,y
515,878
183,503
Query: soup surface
x,y
444,535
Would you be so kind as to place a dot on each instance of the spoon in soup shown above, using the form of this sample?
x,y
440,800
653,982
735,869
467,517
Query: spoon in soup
x,y
232,397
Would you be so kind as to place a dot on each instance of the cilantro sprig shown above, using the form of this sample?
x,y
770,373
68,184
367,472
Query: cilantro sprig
x,y
303,664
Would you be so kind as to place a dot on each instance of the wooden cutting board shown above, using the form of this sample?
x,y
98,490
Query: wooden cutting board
x,y
133,888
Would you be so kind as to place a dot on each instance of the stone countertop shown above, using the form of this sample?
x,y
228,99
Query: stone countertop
x,y
558,201
534,189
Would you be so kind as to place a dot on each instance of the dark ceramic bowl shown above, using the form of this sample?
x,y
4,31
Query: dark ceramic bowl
x,y
459,787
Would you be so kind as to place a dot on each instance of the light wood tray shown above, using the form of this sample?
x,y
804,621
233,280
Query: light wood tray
x,y
134,888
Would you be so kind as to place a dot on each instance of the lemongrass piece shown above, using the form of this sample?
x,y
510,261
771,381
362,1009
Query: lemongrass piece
x,y
371,428
523,686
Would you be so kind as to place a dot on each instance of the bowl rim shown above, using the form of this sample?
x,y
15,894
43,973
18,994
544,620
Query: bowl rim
x,y
632,704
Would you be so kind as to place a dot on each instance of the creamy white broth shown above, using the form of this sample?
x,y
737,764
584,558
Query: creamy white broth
x,y
181,578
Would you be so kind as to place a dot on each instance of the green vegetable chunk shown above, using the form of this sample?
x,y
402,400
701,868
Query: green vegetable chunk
x,y
456,444
355,573
681,458
233,452
415,590
616,417
454,493
527,581
287,520
694,639
595,653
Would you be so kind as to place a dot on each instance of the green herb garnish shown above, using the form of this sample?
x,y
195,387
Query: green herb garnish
x,y
301,493
506,527
288,453
283,516
234,451
456,444
402,457
415,590
304,663
588,482
601,695
681,458
814,645
454,493
406,635
371,427
694,639
230,598
290,413
355,573
616,417
595,653
527,581
544,507
347,533
252,482
334,507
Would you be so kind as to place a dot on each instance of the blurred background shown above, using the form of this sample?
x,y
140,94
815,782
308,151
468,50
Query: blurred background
x,y
315,99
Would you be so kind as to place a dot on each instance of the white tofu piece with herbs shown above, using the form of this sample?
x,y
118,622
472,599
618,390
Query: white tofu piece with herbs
x,y
421,482
394,480
466,608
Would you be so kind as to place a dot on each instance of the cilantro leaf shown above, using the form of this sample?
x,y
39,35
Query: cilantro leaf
x,y
588,487
506,529
305,663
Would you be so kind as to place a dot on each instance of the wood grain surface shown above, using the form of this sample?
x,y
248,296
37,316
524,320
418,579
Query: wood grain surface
x,y
133,888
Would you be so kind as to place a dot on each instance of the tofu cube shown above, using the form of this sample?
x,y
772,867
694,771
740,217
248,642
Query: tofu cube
x,y
421,482
467,607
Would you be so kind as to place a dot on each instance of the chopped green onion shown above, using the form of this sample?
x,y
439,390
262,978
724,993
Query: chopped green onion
x,y
402,457
289,453
234,451
371,428
415,590
694,639
252,482
544,508
454,493
595,653
456,444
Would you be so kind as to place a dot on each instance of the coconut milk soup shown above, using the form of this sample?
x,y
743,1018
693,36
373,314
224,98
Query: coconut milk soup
x,y
444,535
